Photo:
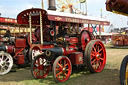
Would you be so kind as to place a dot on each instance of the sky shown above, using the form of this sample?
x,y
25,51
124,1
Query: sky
x,y
11,8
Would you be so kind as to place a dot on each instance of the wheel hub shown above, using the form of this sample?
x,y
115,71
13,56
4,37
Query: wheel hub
x,y
2,62
64,69
97,56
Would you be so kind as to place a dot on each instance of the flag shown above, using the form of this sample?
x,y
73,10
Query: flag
x,y
82,1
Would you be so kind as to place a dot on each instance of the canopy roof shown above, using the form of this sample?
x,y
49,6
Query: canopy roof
x,y
117,6
48,15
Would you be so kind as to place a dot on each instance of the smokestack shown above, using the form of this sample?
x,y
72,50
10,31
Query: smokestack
x,y
52,5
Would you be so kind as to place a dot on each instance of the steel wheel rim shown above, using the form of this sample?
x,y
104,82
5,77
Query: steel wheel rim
x,y
62,72
6,63
126,75
98,56
40,69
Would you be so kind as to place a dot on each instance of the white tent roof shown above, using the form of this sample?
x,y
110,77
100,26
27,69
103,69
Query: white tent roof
x,y
75,15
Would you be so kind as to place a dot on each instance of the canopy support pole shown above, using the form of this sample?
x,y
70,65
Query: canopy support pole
x,y
30,27
41,27
88,27
100,31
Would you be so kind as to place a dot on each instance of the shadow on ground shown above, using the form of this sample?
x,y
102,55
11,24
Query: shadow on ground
x,y
78,77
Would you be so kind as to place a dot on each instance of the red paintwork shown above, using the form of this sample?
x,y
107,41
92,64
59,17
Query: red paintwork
x,y
10,49
41,46
73,40
20,42
85,34
23,17
76,58
20,59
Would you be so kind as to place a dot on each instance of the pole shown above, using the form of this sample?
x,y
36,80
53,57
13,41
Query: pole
x,y
41,28
88,27
42,4
86,6
30,26
100,31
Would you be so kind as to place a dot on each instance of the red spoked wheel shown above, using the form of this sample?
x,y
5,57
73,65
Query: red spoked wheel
x,y
95,56
85,38
39,67
62,69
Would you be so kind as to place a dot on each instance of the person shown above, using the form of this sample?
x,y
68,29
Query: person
x,y
8,34
74,29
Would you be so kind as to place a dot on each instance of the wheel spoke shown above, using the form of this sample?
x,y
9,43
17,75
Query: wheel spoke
x,y
1,69
101,59
65,65
93,61
93,54
6,59
100,50
67,69
2,56
65,74
36,72
59,65
97,64
94,49
59,73
57,69
6,65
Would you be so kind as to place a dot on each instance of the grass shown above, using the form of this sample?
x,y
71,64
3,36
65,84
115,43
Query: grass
x,y
109,76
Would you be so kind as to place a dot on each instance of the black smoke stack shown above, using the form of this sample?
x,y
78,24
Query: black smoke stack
x,y
52,5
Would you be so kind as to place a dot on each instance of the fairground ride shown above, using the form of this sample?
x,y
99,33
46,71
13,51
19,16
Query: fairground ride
x,y
118,7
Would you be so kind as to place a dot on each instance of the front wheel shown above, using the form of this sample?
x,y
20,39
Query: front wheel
x,y
39,67
6,63
62,69
95,56
124,71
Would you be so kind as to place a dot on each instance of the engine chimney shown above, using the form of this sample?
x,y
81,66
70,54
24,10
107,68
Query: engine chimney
x,y
52,5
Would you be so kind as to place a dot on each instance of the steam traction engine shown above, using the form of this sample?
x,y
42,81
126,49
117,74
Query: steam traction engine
x,y
63,49
13,50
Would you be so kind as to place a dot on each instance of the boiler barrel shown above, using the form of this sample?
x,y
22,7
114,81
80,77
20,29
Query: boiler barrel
x,y
2,48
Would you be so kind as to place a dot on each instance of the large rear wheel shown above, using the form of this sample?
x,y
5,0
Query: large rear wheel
x,y
95,56
62,69
124,71
6,63
39,67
